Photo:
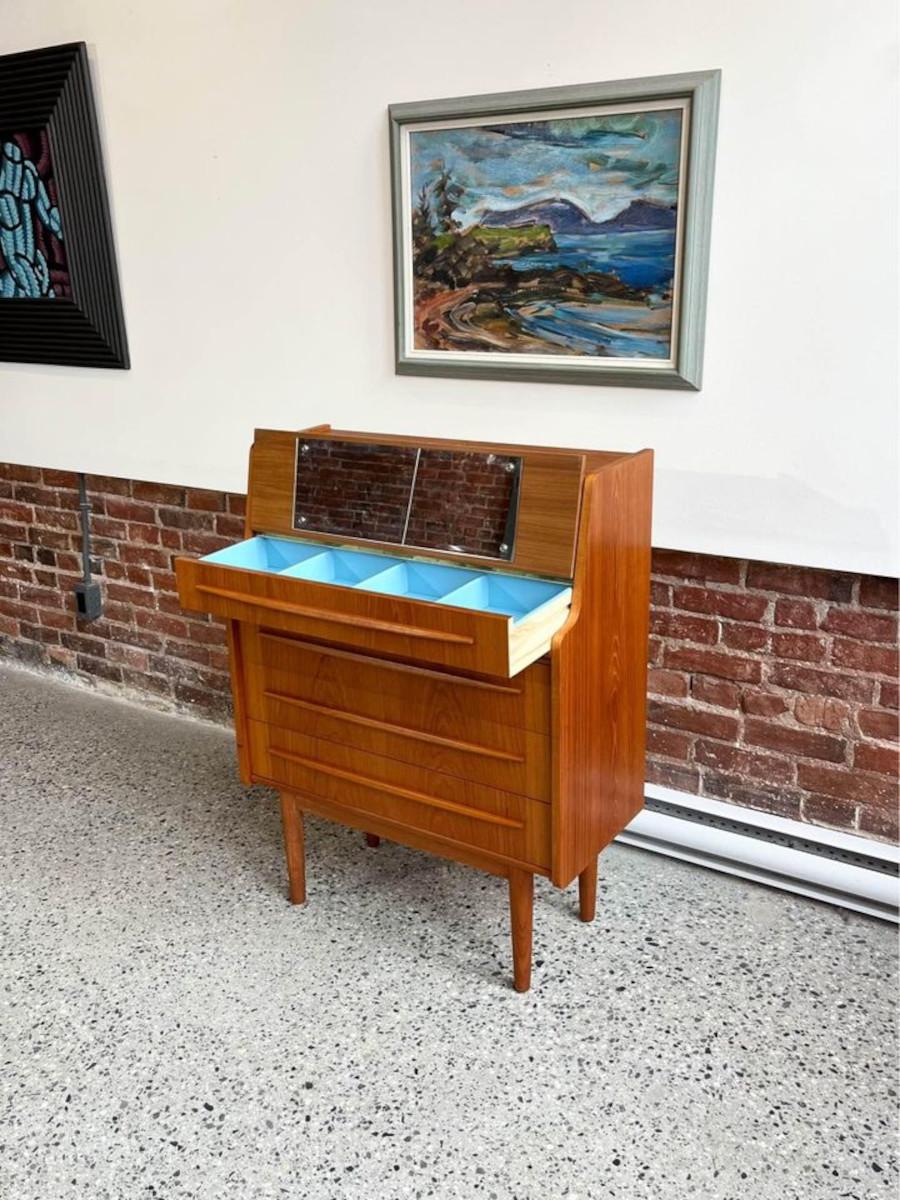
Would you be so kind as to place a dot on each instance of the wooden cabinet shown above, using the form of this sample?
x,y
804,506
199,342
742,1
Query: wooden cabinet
x,y
481,695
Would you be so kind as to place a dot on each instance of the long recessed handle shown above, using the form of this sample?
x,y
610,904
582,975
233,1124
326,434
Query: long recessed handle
x,y
461,810
419,735
336,618
385,664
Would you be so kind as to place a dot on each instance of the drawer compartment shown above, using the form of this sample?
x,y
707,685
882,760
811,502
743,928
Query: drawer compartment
x,y
441,806
490,623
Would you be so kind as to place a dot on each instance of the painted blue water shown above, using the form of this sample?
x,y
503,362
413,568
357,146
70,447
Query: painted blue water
x,y
644,260
582,329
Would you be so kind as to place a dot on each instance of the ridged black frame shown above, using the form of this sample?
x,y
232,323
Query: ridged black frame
x,y
51,88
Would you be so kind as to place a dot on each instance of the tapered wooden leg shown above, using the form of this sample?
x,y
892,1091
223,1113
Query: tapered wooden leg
x,y
587,892
373,840
521,911
294,847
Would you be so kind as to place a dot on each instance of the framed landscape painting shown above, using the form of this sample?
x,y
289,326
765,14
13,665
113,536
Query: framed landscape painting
x,y
560,234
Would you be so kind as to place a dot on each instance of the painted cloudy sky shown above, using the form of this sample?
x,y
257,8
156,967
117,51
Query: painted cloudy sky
x,y
601,163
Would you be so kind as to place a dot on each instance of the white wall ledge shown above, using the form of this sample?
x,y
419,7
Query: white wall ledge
x,y
825,864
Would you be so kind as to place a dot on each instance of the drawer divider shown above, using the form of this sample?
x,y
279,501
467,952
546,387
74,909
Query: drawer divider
x,y
402,730
462,810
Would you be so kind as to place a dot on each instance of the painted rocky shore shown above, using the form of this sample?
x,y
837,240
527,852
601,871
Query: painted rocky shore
x,y
529,280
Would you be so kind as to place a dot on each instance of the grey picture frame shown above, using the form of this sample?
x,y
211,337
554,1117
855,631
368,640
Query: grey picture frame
x,y
701,89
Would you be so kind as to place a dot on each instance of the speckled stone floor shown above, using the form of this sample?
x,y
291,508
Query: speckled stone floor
x,y
172,1028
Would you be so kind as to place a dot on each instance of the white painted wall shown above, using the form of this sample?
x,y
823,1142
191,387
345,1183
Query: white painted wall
x,y
246,147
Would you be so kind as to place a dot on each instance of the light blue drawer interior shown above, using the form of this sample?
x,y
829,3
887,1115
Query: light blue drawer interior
x,y
338,566
515,596
420,581
264,554
510,594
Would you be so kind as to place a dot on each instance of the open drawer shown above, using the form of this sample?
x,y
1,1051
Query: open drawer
x,y
488,622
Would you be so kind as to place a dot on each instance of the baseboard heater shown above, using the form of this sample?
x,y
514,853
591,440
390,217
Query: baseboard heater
x,y
825,864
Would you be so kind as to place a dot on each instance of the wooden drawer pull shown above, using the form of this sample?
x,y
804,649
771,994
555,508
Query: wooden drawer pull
x,y
335,618
386,664
402,730
462,810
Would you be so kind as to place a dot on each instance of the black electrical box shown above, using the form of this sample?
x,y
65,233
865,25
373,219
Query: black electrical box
x,y
88,601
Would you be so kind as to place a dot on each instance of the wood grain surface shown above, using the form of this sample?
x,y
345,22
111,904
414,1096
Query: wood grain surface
x,y
600,669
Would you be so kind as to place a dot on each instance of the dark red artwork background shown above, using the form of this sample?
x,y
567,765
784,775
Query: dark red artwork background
x,y
35,145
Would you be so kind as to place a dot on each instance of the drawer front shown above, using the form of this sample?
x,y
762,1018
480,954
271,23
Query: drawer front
x,y
429,802
451,706
377,624
514,760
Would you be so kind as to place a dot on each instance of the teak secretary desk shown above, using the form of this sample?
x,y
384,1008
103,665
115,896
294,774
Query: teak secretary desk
x,y
443,643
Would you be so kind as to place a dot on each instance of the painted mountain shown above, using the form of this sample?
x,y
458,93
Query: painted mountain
x,y
562,216
639,215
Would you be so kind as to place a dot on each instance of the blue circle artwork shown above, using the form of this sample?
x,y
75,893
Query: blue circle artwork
x,y
32,253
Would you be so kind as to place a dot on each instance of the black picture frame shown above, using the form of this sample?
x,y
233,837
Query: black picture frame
x,y
51,89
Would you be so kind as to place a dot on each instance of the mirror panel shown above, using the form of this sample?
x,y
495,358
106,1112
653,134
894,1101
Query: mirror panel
x,y
465,502
461,501
353,489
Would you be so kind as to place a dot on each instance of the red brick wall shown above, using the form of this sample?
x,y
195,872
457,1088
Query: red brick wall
x,y
770,686
776,687
143,640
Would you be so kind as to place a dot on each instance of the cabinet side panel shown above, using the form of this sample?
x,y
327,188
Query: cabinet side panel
x,y
600,669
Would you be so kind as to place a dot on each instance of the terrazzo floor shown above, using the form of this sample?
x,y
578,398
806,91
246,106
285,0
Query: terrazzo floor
x,y
172,1028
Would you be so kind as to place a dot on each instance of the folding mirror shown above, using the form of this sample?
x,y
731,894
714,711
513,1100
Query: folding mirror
x,y
353,489
464,502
